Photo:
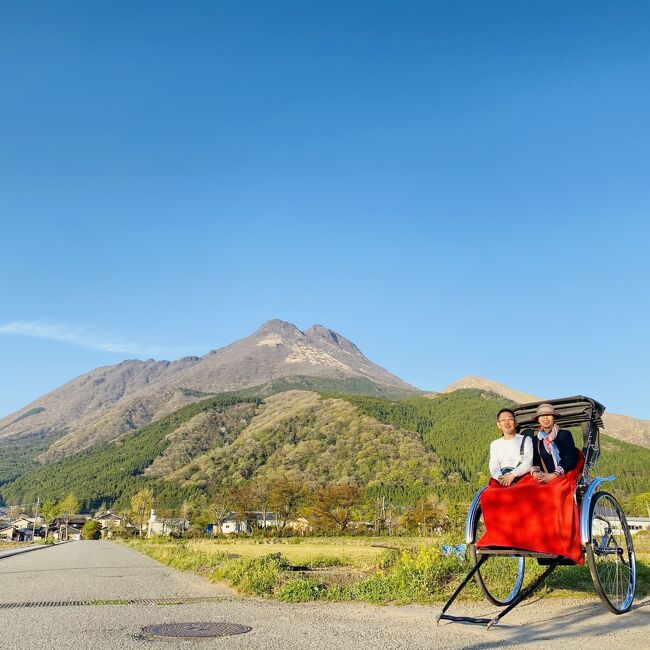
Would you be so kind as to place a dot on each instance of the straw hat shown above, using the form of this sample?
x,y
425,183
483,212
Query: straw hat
x,y
545,409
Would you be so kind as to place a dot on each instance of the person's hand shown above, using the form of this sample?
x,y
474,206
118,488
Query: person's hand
x,y
506,479
544,477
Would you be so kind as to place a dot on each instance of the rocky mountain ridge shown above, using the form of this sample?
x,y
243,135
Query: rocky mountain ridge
x,y
109,401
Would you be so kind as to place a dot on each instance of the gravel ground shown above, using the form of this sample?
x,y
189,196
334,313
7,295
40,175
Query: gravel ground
x,y
102,570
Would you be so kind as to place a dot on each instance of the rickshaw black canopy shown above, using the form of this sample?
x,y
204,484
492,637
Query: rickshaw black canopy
x,y
572,411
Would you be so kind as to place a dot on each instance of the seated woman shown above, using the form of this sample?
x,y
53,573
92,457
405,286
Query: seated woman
x,y
538,513
554,451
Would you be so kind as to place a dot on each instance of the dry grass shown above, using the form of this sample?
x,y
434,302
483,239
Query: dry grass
x,y
362,552
305,553
7,546
641,543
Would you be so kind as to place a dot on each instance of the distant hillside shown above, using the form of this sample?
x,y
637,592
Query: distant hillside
x,y
400,449
229,440
320,441
459,426
116,469
622,427
107,402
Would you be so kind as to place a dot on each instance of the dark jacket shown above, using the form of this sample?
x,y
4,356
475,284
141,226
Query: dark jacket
x,y
566,447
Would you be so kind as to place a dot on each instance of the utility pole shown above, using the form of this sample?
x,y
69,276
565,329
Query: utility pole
x,y
38,503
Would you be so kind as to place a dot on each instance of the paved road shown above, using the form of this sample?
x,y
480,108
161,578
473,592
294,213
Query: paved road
x,y
106,571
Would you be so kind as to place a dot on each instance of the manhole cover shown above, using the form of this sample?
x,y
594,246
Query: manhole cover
x,y
195,630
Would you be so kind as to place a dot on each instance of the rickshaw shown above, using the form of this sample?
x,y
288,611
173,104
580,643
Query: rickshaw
x,y
604,533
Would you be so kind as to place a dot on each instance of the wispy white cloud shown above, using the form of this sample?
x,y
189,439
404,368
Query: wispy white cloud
x,y
78,336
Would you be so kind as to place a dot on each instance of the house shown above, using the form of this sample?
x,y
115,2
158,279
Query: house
x,y
77,521
165,526
39,533
234,523
300,525
67,533
7,533
638,523
108,519
264,519
109,522
12,533
28,522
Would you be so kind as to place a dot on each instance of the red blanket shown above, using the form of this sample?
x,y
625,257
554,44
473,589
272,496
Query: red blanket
x,y
532,516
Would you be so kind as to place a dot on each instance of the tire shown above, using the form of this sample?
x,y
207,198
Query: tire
x,y
501,576
610,554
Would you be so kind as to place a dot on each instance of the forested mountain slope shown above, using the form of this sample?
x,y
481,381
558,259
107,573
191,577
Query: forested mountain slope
x,y
320,441
231,439
399,449
459,426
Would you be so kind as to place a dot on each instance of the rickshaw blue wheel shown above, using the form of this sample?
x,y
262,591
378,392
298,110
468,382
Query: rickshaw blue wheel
x,y
610,554
500,578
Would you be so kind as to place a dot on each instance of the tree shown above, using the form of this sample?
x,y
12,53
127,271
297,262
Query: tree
x,y
218,509
186,513
427,516
50,510
333,506
641,504
286,497
261,494
69,507
141,505
241,502
91,530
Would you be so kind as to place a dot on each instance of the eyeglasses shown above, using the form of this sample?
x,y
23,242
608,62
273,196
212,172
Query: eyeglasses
x,y
506,420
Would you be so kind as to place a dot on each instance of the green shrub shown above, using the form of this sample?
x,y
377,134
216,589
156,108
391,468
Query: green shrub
x,y
259,576
420,575
179,556
301,591
91,530
337,593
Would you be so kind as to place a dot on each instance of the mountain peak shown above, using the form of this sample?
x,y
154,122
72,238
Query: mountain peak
x,y
277,326
473,381
323,335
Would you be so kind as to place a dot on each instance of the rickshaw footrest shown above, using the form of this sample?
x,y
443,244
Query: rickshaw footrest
x,y
464,619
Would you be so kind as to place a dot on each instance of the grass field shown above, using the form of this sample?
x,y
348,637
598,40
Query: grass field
x,y
376,570
364,552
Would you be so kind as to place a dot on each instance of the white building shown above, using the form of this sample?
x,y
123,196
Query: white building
x,y
638,523
165,526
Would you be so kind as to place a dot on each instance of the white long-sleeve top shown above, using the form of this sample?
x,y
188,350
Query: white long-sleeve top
x,y
505,453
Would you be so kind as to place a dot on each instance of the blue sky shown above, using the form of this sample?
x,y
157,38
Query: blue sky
x,y
458,188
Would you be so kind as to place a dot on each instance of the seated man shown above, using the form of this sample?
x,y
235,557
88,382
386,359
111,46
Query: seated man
x,y
511,456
